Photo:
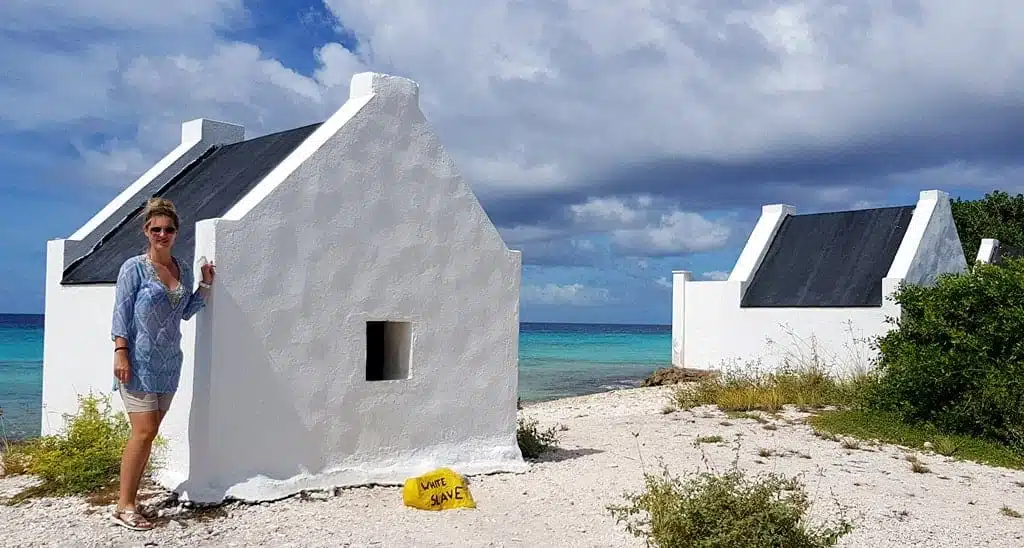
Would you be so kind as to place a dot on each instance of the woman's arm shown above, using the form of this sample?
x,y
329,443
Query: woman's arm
x,y
124,304
124,314
197,300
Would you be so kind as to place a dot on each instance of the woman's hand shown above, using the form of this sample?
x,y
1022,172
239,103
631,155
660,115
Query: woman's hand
x,y
122,366
209,271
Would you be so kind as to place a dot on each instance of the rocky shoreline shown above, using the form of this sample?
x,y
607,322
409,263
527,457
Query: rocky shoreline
x,y
674,375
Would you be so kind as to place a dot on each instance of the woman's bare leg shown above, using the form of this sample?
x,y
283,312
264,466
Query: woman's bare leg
x,y
149,451
136,455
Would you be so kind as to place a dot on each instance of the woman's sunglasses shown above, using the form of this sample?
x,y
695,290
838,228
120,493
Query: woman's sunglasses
x,y
166,230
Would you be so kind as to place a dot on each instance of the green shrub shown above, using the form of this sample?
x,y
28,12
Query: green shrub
x,y
724,511
82,458
534,442
806,387
14,458
998,215
956,357
890,428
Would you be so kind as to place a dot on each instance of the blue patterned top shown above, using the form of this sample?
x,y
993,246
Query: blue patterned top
x,y
149,317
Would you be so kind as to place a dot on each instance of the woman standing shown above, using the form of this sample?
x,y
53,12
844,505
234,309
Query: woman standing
x,y
151,299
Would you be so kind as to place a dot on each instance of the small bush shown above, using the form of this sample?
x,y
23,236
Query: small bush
x,y
13,459
81,459
945,446
724,511
806,387
956,357
851,444
534,442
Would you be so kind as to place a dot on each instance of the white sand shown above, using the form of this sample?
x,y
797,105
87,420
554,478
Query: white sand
x,y
562,501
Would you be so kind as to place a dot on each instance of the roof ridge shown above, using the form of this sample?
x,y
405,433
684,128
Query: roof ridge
x,y
131,214
204,190
848,211
277,133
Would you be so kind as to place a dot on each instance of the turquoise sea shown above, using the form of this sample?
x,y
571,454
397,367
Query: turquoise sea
x,y
555,360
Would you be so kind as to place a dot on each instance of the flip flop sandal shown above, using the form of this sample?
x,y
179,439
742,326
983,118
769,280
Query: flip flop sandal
x,y
131,520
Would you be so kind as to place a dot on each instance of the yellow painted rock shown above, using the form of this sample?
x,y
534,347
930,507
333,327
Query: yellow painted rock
x,y
441,489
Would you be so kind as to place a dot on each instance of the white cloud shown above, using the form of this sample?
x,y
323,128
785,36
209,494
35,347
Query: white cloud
x,y
643,227
40,90
536,95
524,234
714,275
577,88
558,252
570,294
676,233
613,210
116,163
1008,178
25,15
717,275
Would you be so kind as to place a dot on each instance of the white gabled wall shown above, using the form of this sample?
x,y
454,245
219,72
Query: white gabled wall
x,y
185,427
679,280
367,220
78,357
721,335
711,331
759,241
931,245
987,251
77,350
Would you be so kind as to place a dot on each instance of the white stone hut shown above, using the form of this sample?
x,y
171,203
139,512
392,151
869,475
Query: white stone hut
x,y
363,327
812,287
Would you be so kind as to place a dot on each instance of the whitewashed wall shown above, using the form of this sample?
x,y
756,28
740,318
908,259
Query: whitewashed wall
x,y
711,331
366,220
77,351
931,245
719,334
987,250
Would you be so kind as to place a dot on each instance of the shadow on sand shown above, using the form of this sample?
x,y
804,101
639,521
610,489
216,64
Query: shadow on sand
x,y
560,455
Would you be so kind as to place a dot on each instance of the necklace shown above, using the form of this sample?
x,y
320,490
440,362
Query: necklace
x,y
175,295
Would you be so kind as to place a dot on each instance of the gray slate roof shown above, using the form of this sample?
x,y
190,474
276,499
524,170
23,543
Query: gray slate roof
x,y
1006,251
206,189
829,259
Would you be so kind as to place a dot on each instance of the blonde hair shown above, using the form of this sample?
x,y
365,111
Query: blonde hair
x,y
160,207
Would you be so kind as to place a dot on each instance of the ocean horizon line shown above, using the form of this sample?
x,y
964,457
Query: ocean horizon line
x,y
556,360
13,315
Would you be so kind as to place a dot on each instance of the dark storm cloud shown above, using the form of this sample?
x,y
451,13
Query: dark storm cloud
x,y
962,133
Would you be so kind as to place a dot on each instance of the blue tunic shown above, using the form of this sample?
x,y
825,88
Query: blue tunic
x,y
149,317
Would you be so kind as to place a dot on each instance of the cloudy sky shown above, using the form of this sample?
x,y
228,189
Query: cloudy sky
x,y
612,142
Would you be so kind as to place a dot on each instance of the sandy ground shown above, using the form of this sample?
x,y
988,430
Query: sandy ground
x,y
608,441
